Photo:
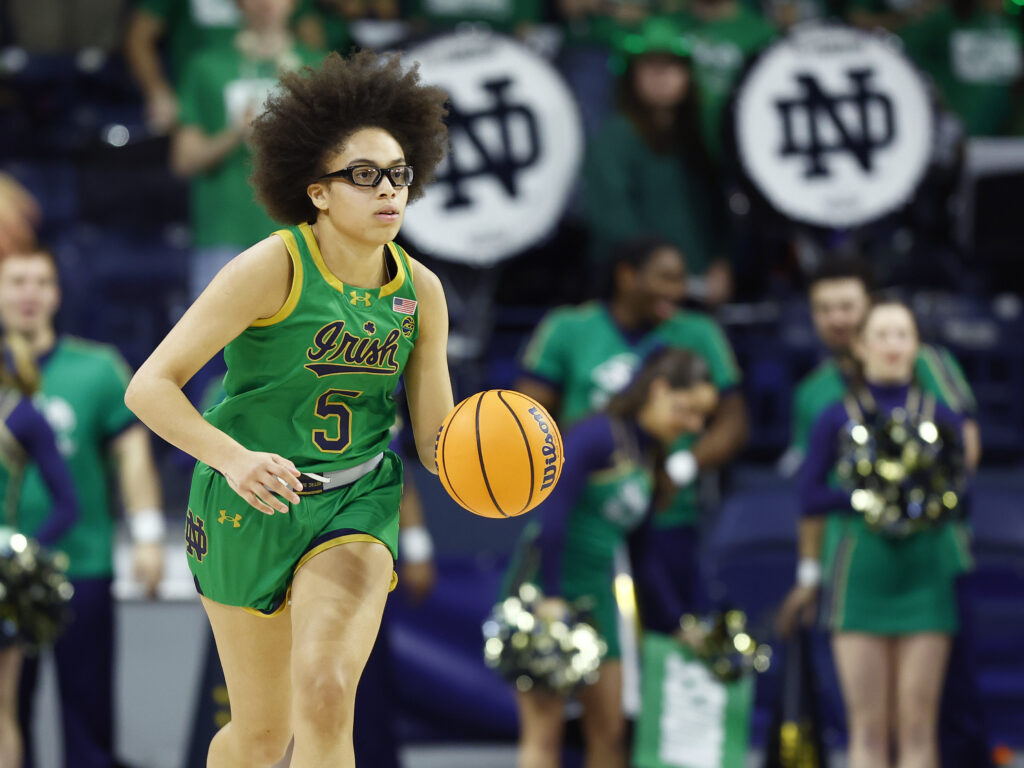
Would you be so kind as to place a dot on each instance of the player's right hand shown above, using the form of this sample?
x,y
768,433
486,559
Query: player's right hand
x,y
260,478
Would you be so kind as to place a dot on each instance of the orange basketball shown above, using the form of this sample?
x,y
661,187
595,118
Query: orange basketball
x,y
499,453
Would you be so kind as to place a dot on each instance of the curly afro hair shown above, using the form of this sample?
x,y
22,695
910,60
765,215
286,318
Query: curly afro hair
x,y
314,111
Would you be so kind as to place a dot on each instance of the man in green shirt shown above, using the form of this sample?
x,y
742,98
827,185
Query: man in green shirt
x,y
82,396
580,356
840,296
188,27
223,89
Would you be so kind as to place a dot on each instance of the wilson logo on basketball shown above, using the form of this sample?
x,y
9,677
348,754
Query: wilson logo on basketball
x,y
549,450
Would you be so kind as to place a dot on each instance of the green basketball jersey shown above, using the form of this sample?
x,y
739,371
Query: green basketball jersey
x,y
315,383
936,370
82,397
587,375
12,461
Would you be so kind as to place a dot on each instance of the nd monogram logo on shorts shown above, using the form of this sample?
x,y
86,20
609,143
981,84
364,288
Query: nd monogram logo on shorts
x,y
195,536
235,520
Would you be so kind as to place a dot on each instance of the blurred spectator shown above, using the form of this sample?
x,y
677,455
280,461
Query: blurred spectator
x,y
891,602
647,171
324,24
82,396
571,380
724,35
186,27
19,216
973,51
603,499
223,89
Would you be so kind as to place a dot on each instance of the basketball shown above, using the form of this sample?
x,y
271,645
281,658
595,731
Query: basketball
x,y
499,453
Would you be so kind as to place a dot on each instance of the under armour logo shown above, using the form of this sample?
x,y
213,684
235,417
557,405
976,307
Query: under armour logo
x,y
358,298
195,536
235,520
861,121
504,164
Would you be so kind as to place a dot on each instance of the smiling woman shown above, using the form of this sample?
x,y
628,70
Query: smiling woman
x,y
318,322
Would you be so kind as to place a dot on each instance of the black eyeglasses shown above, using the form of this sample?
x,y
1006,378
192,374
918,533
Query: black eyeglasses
x,y
370,176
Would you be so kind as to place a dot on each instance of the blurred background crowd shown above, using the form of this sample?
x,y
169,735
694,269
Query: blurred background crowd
x,y
123,129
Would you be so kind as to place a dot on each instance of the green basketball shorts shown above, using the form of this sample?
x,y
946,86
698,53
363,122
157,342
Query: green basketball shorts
x,y
240,556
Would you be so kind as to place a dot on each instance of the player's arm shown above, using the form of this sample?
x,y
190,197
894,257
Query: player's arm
x,y
142,54
193,151
428,383
254,285
139,483
726,435
31,430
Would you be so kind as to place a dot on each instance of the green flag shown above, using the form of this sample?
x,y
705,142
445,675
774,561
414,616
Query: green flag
x,y
689,719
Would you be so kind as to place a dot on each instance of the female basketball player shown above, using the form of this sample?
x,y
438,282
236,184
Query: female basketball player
x,y
889,602
604,493
293,512
25,435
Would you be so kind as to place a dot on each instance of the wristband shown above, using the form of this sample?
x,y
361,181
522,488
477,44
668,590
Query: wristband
x,y
808,572
681,467
415,544
147,526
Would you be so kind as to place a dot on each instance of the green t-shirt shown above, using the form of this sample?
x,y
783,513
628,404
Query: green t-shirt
x,y
588,374
936,370
316,382
82,397
630,191
192,26
974,63
219,86
721,49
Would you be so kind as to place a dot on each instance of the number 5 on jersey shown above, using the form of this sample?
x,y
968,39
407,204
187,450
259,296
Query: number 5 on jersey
x,y
328,407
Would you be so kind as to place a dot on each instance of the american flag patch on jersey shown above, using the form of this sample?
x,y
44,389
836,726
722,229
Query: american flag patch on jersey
x,y
405,306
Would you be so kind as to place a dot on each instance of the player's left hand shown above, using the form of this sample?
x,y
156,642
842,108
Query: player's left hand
x,y
148,566
417,580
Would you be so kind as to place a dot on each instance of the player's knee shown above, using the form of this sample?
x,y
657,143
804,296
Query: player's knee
x,y
916,730
871,733
325,698
265,747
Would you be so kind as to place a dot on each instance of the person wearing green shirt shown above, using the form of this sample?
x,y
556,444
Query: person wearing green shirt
x,y
724,35
839,293
573,379
82,397
647,171
223,89
189,27
974,52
